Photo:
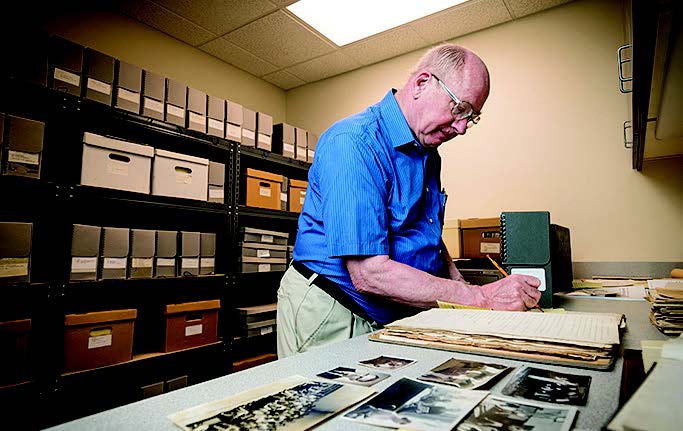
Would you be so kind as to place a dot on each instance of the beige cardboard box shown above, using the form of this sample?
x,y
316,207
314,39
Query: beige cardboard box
x,y
263,189
479,237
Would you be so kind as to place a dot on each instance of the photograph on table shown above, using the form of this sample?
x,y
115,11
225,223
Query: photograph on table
x,y
292,404
355,376
415,405
549,386
502,413
465,374
387,362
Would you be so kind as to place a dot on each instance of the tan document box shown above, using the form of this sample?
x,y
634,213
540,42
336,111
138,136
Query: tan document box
x,y
263,189
248,127
479,237
234,117
297,194
191,324
98,339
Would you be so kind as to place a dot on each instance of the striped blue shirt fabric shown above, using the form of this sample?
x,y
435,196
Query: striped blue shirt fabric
x,y
372,190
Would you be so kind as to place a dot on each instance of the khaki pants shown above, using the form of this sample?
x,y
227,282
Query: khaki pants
x,y
307,317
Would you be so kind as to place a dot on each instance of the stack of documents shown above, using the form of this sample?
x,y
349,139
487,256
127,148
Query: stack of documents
x,y
585,340
666,305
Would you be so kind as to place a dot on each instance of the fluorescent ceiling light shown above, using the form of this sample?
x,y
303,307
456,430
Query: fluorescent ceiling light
x,y
346,21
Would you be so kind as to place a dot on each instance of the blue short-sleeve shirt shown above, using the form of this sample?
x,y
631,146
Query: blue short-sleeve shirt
x,y
372,190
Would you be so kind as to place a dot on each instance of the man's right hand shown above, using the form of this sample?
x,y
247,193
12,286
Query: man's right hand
x,y
514,292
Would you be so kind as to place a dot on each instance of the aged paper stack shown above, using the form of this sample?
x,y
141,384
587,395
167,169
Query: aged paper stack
x,y
585,340
666,305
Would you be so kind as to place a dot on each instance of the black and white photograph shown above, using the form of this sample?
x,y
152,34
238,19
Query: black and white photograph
x,y
465,374
417,406
354,376
501,413
387,362
292,404
548,386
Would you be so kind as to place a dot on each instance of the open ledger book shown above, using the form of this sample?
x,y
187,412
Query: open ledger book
x,y
585,340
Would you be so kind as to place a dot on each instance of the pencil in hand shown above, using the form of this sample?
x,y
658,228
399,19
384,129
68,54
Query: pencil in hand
x,y
502,271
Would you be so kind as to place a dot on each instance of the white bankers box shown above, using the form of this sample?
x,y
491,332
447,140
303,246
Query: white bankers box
x,y
180,175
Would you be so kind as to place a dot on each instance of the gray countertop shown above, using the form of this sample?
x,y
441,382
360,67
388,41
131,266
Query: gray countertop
x,y
151,414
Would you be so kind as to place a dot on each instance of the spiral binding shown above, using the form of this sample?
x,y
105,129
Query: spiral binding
x,y
503,239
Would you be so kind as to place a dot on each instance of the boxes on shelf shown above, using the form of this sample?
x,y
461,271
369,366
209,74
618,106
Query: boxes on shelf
x,y
301,151
85,251
264,131
312,144
127,86
284,139
216,182
234,118
290,253
166,253
153,95
97,339
98,76
180,175
116,164
14,339
191,324
176,101
141,259
256,320
22,152
451,237
196,110
114,253
263,189
479,237
297,194
189,253
65,68
15,252
250,234
216,117
207,253
263,250
248,127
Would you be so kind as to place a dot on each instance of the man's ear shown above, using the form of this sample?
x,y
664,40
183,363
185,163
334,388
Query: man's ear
x,y
419,83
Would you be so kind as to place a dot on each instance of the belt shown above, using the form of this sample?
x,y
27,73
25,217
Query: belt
x,y
331,288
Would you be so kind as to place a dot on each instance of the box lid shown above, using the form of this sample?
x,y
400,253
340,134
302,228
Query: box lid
x,y
167,243
100,317
24,134
189,307
21,325
298,183
179,156
15,239
256,309
235,114
117,144
85,240
142,242
264,175
264,232
477,223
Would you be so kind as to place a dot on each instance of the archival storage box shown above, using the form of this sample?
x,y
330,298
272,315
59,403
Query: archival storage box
x,y
97,339
216,117
190,246
114,253
65,65
196,110
216,182
98,76
85,250
259,249
166,253
15,252
127,86
250,234
301,152
479,237
180,175
234,117
116,164
248,127
191,324
256,320
176,101
264,131
141,259
297,194
263,189
312,144
14,338
153,95
284,139
22,152
207,253
262,264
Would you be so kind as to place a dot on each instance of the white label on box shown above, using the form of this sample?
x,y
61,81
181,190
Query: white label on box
x,y
207,262
301,199
98,86
83,264
262,253
534,272
266,330
234,131
197,119
191,262
130,96
22,157
264,139
288,148
13,267
193,330
68,77
153,105
141,262
263,267
283,197
114,263
115,167
216,193
489,247
215,124
267,238
99,341
249,134
311,154
264,191
165,261
175,111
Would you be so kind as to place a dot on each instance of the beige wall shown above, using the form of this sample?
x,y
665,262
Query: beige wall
x,y
131,41
550,136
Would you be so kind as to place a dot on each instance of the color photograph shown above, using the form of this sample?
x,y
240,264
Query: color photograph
x,y
465,374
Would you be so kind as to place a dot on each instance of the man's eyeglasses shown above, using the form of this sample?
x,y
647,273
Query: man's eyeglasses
x,y
461,110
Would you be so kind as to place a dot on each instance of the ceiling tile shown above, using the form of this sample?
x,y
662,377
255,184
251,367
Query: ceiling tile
x,y
283,79
219,16
385,45
238,57
520,8
164,20
280,40
462,19
324,67
284,2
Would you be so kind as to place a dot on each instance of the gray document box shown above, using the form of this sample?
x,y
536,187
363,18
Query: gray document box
x,y
166,253
65,61
153,95
284,139
23,150
128,87
301,144
264,131
189,255
250,234
216,114
312,143
141,259
15,251
249,128
216,182
114,253
196,110
176,98
98,77
85,250
234,117
207,257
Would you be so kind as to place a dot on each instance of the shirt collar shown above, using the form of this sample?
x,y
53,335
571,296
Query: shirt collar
x,y
398,131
